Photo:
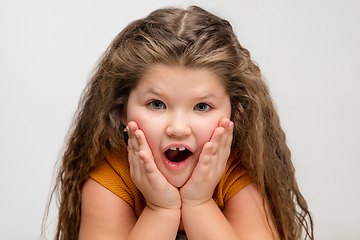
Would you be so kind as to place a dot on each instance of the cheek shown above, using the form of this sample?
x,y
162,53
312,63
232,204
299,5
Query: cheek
x,y
205,129
150,127
144,123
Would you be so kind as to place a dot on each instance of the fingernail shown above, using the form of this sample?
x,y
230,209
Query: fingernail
x,y
222,132
136,135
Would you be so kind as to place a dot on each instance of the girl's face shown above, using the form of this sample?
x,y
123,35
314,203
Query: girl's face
x,y
178,109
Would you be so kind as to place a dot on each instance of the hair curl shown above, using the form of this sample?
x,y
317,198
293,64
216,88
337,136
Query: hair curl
x,y
192,38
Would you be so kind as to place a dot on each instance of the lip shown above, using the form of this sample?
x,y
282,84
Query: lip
x,y
178,145
177,166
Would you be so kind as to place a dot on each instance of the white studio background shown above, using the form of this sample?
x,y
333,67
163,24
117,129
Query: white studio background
x,y
308,51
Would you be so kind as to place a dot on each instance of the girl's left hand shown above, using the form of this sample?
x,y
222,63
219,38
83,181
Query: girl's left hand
x,y
210,167
157,191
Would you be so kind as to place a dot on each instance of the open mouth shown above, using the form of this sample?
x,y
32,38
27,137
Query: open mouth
x,y
179,154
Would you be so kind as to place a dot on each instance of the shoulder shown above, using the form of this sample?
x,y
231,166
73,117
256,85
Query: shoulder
x,y
245,212
103,213
235,178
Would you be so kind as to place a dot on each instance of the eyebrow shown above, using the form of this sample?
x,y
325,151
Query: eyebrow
x,y
209,95
200,98
151,90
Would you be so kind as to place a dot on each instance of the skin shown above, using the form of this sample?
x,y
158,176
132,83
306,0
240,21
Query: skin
x,y
164,111
178,120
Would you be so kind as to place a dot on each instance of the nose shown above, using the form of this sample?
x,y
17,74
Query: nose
x,y
178,127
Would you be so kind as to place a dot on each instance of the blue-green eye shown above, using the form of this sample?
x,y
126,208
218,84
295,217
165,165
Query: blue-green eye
x,y
156,105
202,107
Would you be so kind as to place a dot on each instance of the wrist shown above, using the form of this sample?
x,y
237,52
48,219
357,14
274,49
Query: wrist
x,y
194,202
170,214
155,207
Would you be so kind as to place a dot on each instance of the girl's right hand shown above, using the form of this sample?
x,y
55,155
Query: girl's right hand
x,y
158,192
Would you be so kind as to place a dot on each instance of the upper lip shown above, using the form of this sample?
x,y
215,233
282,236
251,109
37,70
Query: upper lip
x,y
178,145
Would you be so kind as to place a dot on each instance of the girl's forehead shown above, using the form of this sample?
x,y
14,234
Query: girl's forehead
x,y
178,76
180,82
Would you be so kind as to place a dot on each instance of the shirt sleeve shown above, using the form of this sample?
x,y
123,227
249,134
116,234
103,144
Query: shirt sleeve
x,y
113,173
234,179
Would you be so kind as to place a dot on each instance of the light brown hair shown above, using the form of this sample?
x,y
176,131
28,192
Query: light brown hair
x,y
192,38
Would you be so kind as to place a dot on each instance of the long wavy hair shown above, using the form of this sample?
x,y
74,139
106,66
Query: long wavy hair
x,y
192,38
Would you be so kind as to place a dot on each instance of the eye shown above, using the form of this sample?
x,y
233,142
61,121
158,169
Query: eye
x,y
156,105
202,107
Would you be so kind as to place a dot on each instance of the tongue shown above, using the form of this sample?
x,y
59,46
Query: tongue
x,y
176,155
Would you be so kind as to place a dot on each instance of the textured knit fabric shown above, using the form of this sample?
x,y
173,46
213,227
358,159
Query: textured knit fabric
x,y
113,173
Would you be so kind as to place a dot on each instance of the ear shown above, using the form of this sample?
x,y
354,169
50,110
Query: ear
x,y
123,117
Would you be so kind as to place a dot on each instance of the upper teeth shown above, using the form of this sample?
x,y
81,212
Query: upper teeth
x,y
180,148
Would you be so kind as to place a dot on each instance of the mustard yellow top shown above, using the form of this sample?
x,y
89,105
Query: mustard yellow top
x,y
113,173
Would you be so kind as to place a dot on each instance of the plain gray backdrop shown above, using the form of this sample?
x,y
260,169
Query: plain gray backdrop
x,y
308,51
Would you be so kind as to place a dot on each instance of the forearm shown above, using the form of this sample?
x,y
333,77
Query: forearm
x,y
206,221
156,224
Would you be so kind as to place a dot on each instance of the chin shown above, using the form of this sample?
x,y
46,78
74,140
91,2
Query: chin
x,y
178,182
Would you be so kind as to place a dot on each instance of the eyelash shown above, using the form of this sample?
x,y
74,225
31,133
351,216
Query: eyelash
x,y
152,106
207,107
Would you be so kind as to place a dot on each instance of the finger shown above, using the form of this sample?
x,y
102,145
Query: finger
x,y
147,161
145,153
216,138
133,142
205,156
148,168
130,153
152,174
142,167
142,142
226,138
134,162
223,122
221,148
134,159
231,130
203,166
225,144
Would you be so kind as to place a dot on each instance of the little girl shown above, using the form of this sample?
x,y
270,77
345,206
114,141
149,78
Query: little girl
x,y
176,136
